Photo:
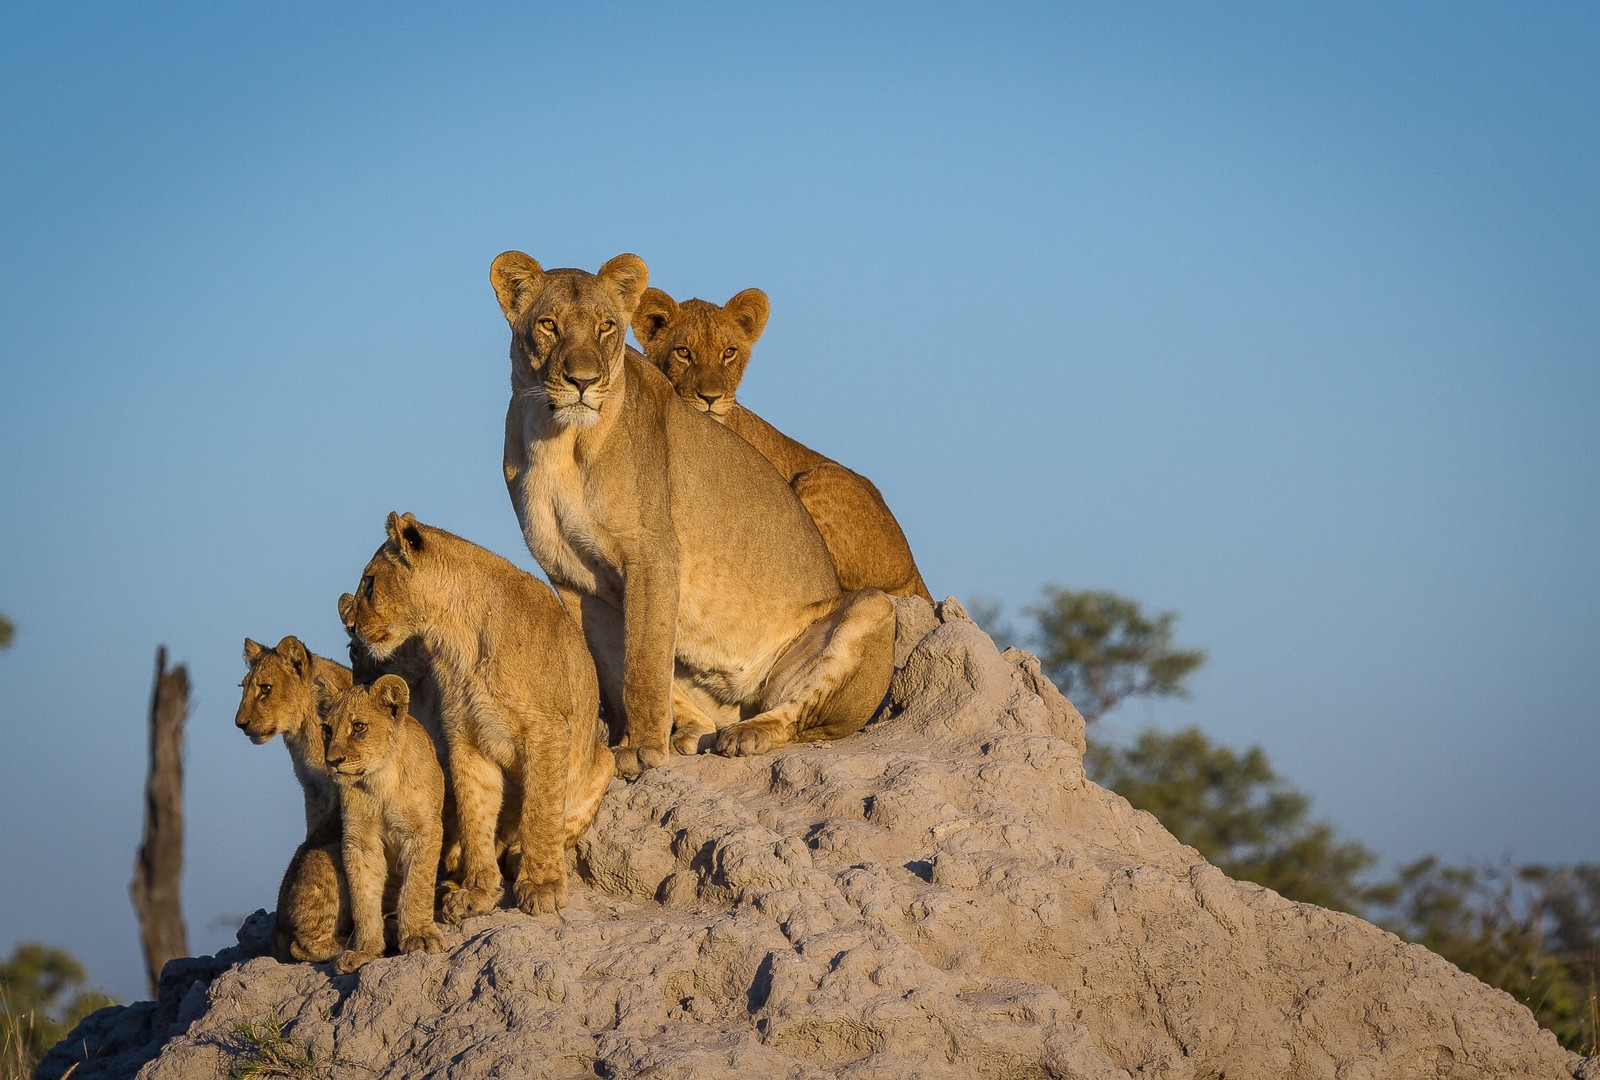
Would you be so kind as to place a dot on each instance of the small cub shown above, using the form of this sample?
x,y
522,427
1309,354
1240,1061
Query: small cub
x,y
313,916
391,794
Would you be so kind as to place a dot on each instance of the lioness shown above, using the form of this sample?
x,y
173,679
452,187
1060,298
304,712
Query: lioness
x,y
702,586
703,349
518,696
313,913
391,793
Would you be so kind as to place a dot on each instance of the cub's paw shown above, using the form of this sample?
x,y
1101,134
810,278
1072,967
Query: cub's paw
x,y
427,939
315,951
633,760
540,897
461,904
692,742
350,960
746,738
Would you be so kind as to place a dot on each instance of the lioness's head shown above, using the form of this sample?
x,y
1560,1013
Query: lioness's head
x,y
277,689
361,726
701,347
392,603
567,330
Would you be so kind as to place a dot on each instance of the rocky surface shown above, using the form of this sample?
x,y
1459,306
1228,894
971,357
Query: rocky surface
x,y
943,895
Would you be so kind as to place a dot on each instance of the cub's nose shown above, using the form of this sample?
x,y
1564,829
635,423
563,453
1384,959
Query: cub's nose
x,y
711,399
335,762
240,722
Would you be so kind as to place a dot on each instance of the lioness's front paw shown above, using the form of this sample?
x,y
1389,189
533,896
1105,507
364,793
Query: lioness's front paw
x,y
692,742
350,959
427,939
540,897
461,904
746,738
633,760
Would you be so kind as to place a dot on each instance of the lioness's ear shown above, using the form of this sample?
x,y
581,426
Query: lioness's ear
x,y
749,309
654,314
347,610
517,279
252,649
291,649
626,276
410,534
323,694
393,694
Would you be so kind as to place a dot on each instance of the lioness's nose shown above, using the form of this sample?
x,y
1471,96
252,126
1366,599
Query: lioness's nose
x,y
710,399
582,384
240,721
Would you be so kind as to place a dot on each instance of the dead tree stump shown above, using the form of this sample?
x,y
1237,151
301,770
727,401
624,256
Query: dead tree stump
x,y
158,869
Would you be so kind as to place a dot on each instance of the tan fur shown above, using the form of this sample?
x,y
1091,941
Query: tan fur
x,y
703,589
391,794
519,702
312,913
704,349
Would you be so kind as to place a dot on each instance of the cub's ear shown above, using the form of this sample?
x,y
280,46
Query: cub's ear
x,y
347,610
252,650
654,314
323,694
626,276
517,279
393,694
404,533
291,649
749,309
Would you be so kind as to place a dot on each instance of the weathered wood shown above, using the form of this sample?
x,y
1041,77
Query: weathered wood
x,y
158,869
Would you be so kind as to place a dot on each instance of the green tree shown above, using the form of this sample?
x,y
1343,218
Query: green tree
x,y
42,996
1237,812
1533,931
1101,649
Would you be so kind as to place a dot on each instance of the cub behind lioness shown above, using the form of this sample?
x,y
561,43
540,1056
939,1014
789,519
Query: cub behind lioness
x,y
518,697
704,349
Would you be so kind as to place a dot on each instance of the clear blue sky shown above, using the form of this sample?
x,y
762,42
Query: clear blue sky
x,y
1284,317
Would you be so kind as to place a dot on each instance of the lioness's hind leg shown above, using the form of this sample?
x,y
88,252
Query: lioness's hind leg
x,y
827,683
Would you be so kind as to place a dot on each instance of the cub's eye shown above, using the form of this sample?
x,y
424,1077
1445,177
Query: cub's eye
x,y
607,326
366,586
681,352
547,324
327,732
263,689
358,729
729,353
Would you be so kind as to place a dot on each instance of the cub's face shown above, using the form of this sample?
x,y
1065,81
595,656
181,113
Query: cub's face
x,y
567,331
276,695
361,726
702,348
391,603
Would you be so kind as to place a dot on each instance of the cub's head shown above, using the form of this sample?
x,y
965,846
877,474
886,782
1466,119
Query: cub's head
x,y
396,594
567,330
701,347
277,689
363,666
361,726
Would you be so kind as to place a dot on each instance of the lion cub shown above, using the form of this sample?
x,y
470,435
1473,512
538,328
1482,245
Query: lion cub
x,y
704,349
518,695
313,912
391,793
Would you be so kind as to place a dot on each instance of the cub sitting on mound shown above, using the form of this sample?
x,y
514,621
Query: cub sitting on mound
x,y
391,793
703,588
703,349
313,911
518,697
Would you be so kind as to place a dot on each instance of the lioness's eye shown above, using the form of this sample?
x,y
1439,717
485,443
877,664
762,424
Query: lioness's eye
x,y
681,352
366,586
263,690
327,732
548,324
729,353
607,326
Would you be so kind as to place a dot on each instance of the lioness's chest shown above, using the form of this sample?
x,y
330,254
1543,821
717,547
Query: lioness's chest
x,y
563,520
